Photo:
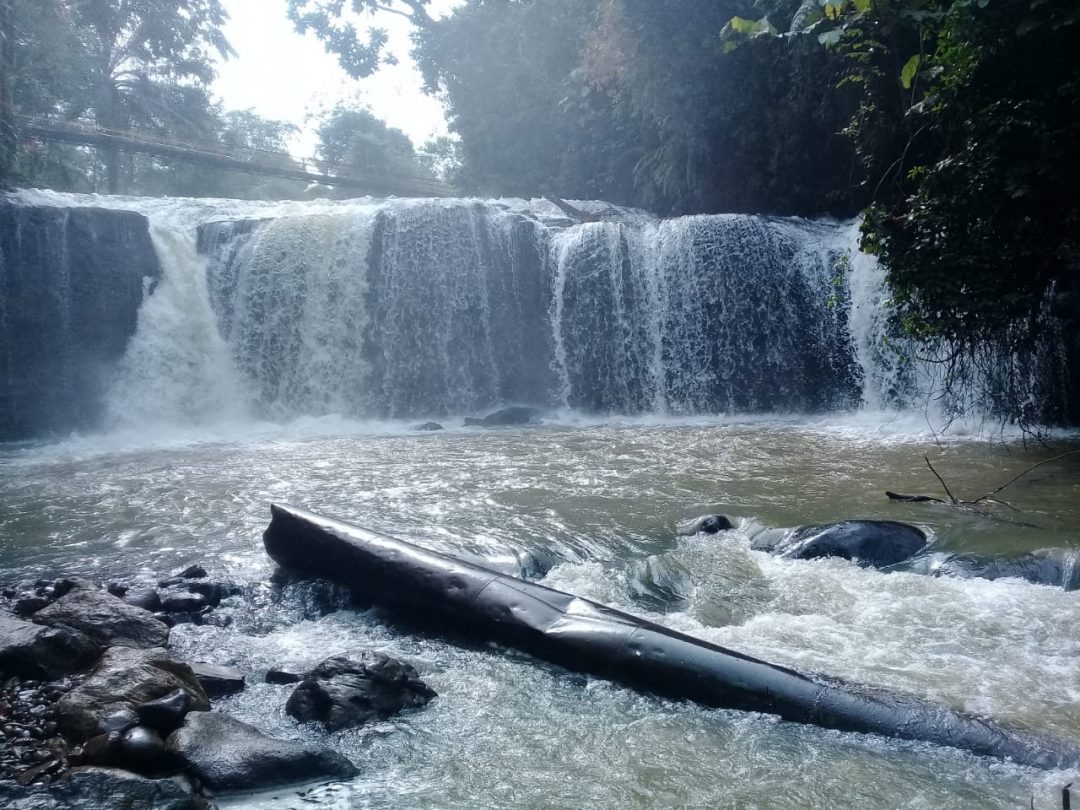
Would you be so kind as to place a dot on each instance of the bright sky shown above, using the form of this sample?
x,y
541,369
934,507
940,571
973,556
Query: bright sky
x,y
288,77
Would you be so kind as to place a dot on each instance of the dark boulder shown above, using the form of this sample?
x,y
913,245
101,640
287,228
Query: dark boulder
x,y
429,426
228,755
105,618
345,692
142,750
124,679
218,680
515,415
278,675
166,714
36,651
195,571
870,543
705,524
182,601
145,598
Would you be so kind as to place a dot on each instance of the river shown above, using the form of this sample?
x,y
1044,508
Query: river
x,y
208,428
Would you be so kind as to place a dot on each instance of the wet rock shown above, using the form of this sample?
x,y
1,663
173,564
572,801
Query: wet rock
x,y
29,605
705,524
145,598
217,680
142,750
870,543
1054,567
99,788
195,571
118,721
345,692
166,714
226,754
515,415
661,584
124,679
177,601
429,426
35,651
104,618
281,676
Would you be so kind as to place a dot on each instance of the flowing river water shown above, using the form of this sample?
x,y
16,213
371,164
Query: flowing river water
x,y
600,498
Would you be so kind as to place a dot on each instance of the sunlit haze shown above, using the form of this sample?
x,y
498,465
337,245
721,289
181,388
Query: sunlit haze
x,y
286,76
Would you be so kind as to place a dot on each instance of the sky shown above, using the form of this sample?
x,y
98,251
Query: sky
x,y
288,77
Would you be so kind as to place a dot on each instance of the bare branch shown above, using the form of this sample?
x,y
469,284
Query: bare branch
x,y
897,496
952,498
1018,476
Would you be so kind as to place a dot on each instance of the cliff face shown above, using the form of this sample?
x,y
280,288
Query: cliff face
x,y
71,283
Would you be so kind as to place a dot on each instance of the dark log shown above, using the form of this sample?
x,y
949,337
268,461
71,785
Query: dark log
x,y
438,590
896,496
571,211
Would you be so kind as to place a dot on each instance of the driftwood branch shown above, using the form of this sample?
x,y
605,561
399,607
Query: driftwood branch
x,y
571,211
972,506
990,495
952,498
898,496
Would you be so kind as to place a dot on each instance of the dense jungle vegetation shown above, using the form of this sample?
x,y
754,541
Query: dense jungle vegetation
x,y
950,125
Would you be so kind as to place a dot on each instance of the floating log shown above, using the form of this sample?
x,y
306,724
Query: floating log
x,y
442,591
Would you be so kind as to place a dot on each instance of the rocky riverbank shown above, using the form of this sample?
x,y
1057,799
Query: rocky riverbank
x,y
96,710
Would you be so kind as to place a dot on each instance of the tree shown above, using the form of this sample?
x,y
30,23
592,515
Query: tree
x,y
132,52
331,22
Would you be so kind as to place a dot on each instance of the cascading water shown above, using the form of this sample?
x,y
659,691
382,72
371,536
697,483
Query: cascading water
x,y
406,309
429,308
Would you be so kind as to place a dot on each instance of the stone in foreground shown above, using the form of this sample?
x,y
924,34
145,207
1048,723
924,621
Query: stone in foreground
x,y
125,679
346,692
228,755
105,618
35,651
217,680
97,788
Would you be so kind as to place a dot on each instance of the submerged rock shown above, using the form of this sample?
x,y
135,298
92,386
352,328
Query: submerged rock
x,y
429,426
104,618
345,692
36,651
515,415
226,755
705,524
124,679
1053,566
870,543
218,680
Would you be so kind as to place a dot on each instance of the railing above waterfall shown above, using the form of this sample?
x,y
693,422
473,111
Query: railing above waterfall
x,y
265,162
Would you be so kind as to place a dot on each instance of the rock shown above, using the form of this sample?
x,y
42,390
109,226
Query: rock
x,y
515,415
35,651
125,678
705,524
218,681
870,543
344,692
118,721
191,572
29,605
226,754
429,426
1052,566
145,598
166,714
104,618
104,749
280,676
142,750
177,601
97,788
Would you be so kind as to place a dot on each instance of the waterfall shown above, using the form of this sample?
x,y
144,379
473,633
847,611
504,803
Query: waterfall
x,y
408,309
